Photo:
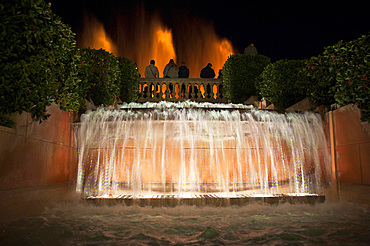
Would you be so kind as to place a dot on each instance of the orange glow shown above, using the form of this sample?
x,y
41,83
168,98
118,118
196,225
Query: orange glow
x,y
162,48
202,90
177,90
142,37
201,45
214,91
95,37
164,86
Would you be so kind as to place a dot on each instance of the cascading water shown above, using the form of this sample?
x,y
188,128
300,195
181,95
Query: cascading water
x,y
189,148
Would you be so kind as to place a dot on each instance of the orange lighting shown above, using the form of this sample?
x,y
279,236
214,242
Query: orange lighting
x,y
95,37
164,44
197,45
201,45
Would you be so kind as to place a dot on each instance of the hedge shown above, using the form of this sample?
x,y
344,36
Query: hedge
x,y
100,76
240,74
278,83
129,80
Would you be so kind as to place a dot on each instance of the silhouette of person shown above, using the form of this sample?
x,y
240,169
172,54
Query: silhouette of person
x,y
171,70
207,72
183,71
219,74
151,71
250,50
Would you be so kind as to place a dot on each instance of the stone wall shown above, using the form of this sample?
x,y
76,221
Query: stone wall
x,y
33,154
352,146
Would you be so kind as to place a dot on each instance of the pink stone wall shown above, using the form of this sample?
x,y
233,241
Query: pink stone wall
x,y
352,146
33,154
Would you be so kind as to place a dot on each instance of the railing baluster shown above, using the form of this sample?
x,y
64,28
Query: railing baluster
x,y
180,90
209,91
196,91
191,91
166,92
160,93
220,92
145,90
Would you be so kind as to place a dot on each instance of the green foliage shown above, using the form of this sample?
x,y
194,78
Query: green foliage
x,y
278,83
240,74
317,81
351,63
129,86
340,75
70,91
100,75
35,58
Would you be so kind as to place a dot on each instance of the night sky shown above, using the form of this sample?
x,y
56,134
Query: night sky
x,y
279,29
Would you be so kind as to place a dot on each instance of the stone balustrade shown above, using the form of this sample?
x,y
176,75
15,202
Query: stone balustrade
x,y
181,89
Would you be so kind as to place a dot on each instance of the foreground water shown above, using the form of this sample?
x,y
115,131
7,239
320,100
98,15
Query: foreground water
x,y
257,224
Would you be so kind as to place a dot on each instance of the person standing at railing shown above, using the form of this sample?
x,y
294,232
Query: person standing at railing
x,y
251,50
151,71
207,72
171,70
183,71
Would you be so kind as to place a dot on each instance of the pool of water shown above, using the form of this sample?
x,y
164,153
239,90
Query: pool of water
x,y
257,224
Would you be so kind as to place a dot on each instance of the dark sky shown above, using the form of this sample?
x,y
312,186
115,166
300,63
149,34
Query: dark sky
x,y
280,29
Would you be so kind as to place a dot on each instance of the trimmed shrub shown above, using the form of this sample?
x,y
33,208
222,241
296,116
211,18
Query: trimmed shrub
x,y
100,75
278,83
36,63
240,74
129,80
70,91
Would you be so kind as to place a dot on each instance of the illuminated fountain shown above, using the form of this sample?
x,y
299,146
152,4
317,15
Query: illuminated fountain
x,y
189,149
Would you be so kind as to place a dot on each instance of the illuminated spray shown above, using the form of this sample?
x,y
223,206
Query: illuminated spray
x,y
142,37
95,37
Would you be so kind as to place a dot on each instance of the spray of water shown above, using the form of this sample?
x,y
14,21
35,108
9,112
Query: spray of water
x,y
184,149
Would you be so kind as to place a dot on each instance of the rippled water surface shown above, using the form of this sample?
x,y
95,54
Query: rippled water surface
x,y
286,224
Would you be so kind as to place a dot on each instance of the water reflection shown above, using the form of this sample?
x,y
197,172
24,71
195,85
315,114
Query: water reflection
x,y
286,224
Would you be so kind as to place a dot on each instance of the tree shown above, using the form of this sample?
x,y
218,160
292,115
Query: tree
x,y
36,51
340,75
351,63
317,80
